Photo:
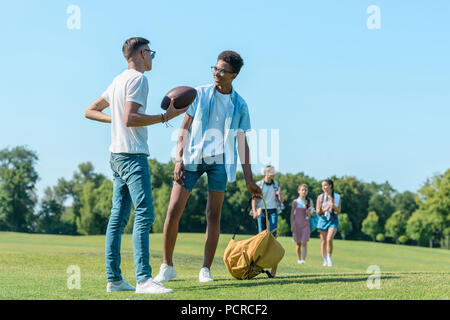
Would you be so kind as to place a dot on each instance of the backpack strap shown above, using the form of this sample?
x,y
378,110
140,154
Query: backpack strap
x,y
243,215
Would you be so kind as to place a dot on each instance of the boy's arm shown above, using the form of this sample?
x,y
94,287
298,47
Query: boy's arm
x,y
95,111
244,156
132,118
183,136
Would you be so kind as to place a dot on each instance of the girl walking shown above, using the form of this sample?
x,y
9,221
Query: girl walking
x,y
302,211
328,207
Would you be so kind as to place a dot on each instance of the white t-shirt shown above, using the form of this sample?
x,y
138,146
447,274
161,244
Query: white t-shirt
x,y
213,144
130,85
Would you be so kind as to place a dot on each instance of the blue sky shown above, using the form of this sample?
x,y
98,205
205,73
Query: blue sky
x,y
346,100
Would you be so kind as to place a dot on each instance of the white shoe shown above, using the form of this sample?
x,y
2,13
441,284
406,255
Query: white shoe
x,y
301,261
121,285
152,286
329,262
324,262
166,273
205,275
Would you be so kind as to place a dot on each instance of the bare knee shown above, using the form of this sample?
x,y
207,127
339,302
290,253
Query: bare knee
x,y
213,218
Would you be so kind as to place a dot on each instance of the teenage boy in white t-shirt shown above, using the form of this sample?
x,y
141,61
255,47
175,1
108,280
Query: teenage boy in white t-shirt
x,y
127,97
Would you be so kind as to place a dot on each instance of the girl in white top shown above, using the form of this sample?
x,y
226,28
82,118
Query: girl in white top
x,y
328,207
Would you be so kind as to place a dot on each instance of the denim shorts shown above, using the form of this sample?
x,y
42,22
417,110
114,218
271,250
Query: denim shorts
x,y
215,170
325,224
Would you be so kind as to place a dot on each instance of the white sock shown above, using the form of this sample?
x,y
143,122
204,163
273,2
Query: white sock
x,y
328,255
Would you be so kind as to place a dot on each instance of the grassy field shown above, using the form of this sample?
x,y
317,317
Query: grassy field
x,y
35,267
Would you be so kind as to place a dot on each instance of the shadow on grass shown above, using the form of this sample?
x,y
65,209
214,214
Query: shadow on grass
x,y
286,280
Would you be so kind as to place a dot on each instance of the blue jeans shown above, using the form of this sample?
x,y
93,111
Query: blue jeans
x,y
132,185
273,220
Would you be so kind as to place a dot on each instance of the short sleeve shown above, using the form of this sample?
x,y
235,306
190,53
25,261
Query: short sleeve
x,y
193,107
107,95
137,90
244,122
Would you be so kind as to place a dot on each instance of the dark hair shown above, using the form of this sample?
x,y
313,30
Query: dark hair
x,y
132,45
330,182
232,58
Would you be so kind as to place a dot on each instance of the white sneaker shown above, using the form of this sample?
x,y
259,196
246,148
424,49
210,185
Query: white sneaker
x,y
324,262
166,273
329,262
205,275
152,286
121,285
301,261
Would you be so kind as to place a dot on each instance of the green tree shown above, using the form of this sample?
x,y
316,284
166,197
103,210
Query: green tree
x,y
194,214
234,208
383,205
447,236
95,207
434,202
396,225
355,197
18,179
72,190
402,239
283,227
419,228
370,225
49,217
345,225
161,203
405,203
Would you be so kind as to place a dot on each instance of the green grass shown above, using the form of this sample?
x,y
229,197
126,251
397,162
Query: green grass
x,y
35,266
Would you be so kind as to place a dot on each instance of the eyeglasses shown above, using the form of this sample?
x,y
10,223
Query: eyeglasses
x,y
220,71
152,53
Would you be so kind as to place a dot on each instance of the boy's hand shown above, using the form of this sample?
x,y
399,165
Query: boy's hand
x,y
172,112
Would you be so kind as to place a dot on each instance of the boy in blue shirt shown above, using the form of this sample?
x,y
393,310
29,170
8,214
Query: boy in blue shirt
x,y
214,122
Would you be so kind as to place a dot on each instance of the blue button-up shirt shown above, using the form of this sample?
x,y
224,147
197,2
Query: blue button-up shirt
x,y
237,119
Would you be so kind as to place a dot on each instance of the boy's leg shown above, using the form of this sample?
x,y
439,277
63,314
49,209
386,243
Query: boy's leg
x,y
217,185
213,212
140,186
120,212
273,220
178,199
262,222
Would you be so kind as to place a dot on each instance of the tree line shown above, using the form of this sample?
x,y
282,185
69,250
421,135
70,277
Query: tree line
x,y
81,205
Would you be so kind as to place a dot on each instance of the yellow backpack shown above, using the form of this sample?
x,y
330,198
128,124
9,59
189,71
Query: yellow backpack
x,y
246,259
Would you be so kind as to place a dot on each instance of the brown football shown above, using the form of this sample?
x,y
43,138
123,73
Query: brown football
x,y
183,96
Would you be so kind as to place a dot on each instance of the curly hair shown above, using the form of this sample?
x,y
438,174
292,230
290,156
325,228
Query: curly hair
x,y
233,59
